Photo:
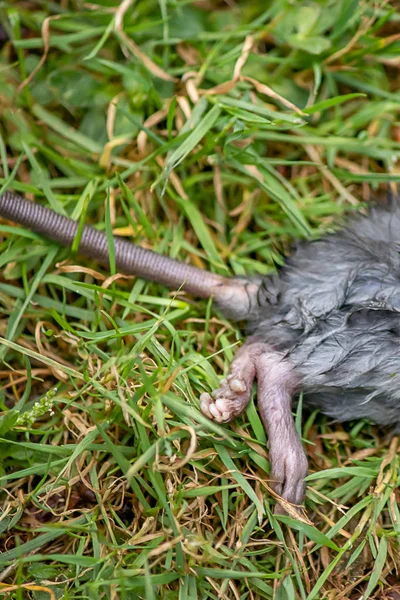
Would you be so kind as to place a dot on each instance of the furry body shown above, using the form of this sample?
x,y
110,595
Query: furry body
x,y
334,310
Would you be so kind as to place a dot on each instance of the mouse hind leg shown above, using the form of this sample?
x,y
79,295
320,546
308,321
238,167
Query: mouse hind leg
x,y
276,385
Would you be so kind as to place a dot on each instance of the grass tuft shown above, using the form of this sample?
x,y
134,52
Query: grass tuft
x,y
216,133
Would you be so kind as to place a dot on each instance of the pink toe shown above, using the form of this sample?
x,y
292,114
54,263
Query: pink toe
x,y
237,385
221,404
214,411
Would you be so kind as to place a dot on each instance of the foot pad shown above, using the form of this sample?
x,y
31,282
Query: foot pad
x,y
228,401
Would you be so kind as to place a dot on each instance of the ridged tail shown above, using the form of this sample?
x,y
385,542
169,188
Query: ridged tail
x,y
129,258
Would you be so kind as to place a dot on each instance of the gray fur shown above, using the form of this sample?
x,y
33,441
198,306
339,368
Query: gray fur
x,y
334,310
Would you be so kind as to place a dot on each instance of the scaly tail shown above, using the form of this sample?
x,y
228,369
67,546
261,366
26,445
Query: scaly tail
x,y
234,296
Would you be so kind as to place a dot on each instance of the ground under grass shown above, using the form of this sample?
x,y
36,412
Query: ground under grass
x,y
217,133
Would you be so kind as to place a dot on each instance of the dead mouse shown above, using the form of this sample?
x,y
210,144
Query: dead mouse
x,y
327,324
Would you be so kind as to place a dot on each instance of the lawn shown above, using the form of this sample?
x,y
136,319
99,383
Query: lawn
x,y
216,132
